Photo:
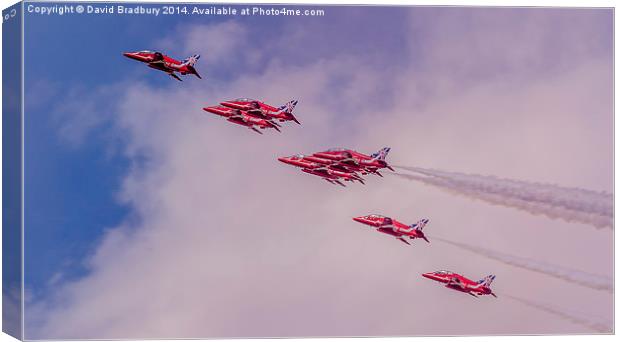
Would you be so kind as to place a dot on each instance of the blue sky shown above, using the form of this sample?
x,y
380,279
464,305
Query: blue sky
x,y
130,185
11,179
71,186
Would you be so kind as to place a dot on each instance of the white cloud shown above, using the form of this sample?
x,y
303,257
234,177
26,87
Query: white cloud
x,y
220,44
232,243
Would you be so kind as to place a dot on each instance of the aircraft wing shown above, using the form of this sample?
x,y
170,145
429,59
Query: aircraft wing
x,y
238,117
339,167
160,64
257,113
373,170
173,75
456,282
349,161
321,169
403,240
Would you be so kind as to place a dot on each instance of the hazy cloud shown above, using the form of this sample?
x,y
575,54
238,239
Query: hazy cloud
x,y
231,243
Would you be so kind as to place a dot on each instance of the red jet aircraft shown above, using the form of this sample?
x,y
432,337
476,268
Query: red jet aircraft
x,y
159,61
243,118
258,108
392,227
457,282
352,161
317,169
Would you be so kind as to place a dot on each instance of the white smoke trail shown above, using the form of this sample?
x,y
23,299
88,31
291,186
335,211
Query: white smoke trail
x,y
574,317
569,204
592,281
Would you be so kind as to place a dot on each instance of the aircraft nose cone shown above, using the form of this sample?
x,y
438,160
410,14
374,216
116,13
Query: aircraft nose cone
x,y
427,275
283,159
131,55
358,219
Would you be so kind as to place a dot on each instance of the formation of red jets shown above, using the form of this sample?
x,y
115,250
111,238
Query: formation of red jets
x,y
339,164
254,114
402,232
334,165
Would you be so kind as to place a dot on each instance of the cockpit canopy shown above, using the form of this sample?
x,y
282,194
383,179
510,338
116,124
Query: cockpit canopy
x,y
147,52
443,272
245,99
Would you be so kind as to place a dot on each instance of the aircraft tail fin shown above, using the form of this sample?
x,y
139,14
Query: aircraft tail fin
x,y
190,61
486,282
420,224
381,154
288,107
